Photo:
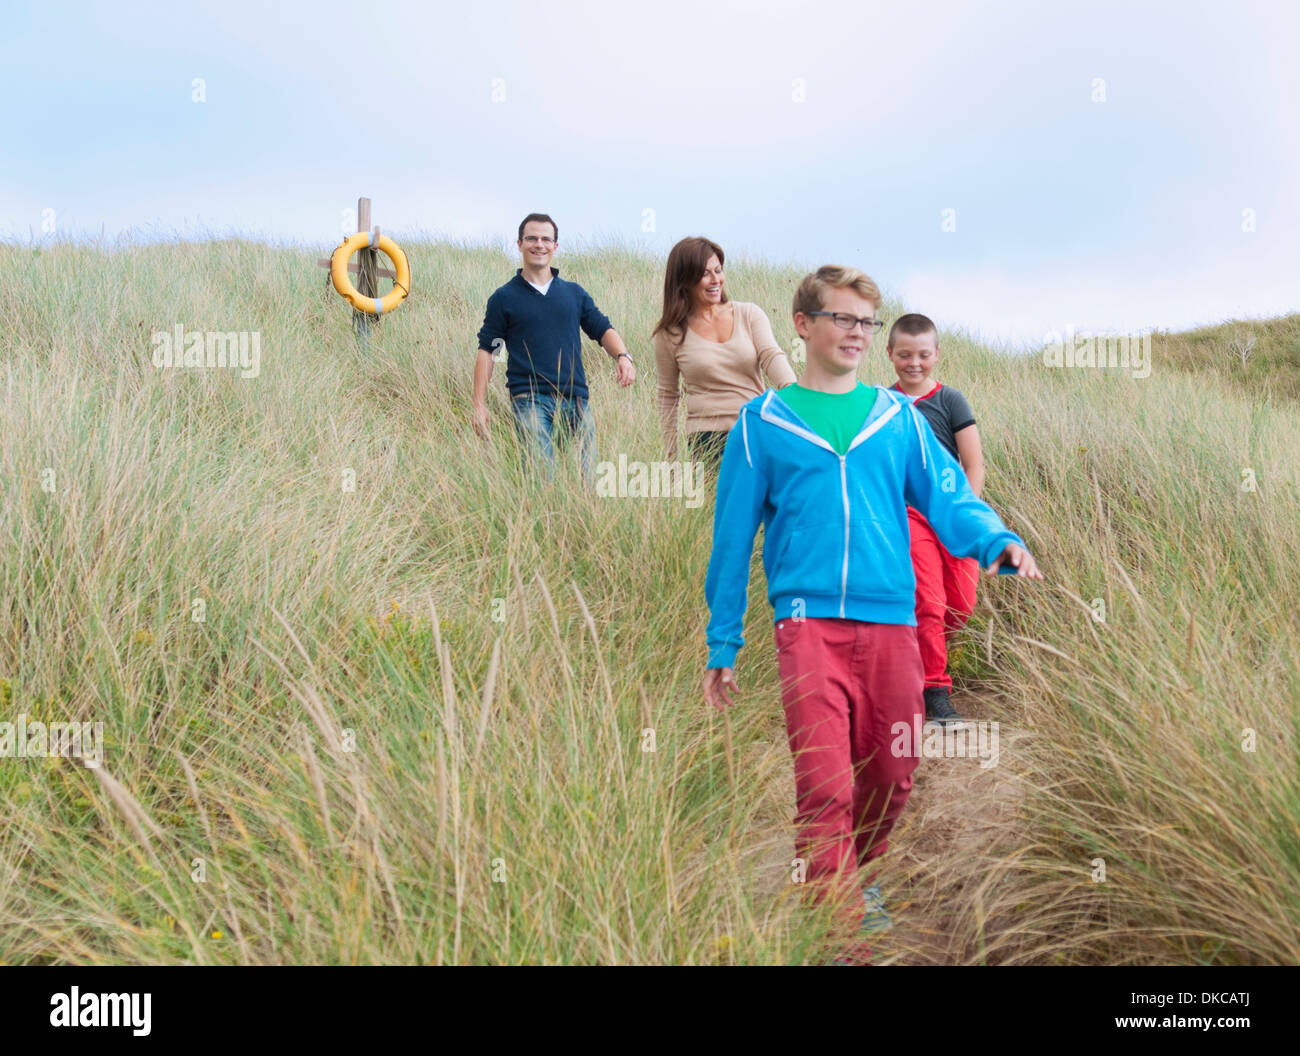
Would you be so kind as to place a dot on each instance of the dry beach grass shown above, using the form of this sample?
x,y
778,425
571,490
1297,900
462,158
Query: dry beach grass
x,y
402,695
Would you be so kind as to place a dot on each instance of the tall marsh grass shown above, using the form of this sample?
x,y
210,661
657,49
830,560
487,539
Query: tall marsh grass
x,y
408,722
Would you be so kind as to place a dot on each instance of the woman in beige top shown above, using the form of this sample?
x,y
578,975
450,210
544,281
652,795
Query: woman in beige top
x,y
720,348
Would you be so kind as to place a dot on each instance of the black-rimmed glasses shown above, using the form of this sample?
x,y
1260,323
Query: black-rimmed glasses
x,y
847,322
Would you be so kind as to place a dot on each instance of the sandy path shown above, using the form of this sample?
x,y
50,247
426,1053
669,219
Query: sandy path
x,y
939,851
940,847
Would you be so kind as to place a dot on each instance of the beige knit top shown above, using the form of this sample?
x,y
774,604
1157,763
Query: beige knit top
x,y
720,378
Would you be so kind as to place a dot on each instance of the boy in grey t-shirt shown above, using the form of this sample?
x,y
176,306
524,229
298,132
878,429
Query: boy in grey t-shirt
x,y
945,585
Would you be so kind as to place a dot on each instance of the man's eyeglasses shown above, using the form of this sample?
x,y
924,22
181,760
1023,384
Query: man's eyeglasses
x,y
847,322
533,240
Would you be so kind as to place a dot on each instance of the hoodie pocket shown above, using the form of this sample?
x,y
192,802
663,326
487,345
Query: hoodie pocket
x,y
880,561
811,561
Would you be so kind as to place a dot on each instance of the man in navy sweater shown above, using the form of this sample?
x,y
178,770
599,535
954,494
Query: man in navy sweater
x,y
536,317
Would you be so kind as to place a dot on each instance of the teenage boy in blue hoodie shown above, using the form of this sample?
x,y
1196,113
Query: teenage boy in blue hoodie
x,y
829,466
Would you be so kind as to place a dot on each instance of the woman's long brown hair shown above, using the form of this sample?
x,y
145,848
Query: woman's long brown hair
x,y
686,263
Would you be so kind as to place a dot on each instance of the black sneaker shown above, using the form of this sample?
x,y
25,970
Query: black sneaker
x,y
938,708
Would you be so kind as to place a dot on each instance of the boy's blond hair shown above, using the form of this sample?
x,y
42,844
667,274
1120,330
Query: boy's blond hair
x,y
811,295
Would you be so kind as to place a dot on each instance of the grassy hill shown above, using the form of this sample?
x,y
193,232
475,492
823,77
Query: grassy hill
x,y
1256,356
403,723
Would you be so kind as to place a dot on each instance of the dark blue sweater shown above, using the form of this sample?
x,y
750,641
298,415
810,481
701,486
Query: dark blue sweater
x,y
541,334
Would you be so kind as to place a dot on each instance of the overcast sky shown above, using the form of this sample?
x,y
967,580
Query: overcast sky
x,y
1113,166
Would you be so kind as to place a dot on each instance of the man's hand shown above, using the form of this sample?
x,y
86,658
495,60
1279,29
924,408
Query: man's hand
x,y
626,371
1018,558
617,351
482,375
719,685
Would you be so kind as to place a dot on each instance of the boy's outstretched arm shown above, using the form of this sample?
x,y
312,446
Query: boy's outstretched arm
x,y
965,524
970,453
742,491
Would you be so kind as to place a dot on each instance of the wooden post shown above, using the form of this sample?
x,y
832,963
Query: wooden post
x,y
368,261
367,271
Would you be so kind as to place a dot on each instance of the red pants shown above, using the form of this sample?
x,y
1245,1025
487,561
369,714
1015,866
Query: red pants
x,y
945,597
844,685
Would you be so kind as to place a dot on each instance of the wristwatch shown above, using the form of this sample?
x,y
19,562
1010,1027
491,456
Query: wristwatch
x,y
621,355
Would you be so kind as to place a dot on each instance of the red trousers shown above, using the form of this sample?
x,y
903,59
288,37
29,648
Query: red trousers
x,y
945,597
844,686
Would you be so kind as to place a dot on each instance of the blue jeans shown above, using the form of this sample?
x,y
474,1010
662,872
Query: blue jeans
x,y
539,418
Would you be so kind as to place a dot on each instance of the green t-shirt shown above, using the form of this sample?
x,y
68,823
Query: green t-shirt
x,y
836,417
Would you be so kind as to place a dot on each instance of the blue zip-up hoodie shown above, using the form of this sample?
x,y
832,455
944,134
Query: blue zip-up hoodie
x,y
836,541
